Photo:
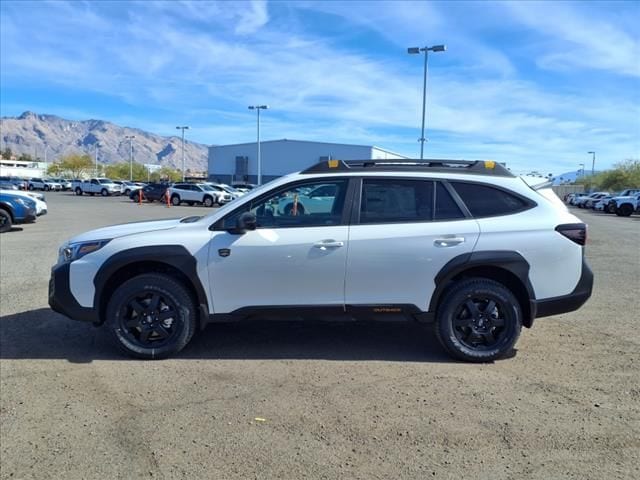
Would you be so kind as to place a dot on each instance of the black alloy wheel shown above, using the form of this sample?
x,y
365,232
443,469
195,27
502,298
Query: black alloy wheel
x,y
152,316
5,221
479,320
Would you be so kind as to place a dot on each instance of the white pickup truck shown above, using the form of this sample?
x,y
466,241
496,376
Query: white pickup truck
x,y
103,186
625,205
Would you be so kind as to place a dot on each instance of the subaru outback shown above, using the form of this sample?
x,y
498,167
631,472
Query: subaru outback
x,y
464,245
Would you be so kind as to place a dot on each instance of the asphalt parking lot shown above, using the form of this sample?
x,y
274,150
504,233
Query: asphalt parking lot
x,y
314,400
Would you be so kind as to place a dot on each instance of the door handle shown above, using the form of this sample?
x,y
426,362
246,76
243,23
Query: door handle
x,y
325,244
448,241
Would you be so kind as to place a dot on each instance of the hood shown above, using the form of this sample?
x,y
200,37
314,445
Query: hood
x,y
125,229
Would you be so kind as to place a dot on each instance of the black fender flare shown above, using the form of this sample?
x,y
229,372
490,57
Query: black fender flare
x,y
509,261
176,257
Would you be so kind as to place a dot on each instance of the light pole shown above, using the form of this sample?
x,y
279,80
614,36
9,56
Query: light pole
x,y
183,128
581,165
593,162
97,148
258,108
46,164
130,138
426,50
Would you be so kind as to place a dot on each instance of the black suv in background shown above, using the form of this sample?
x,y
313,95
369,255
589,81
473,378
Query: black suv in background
x,y
151,192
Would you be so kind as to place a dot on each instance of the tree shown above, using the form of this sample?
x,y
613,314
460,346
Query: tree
x,y
7,153
166,174
625,174
76,166
25,157
122,171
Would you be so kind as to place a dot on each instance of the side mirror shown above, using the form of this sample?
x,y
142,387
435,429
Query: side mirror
x,y
245,222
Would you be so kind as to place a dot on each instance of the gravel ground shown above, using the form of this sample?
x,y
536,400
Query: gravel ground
x,y
313,400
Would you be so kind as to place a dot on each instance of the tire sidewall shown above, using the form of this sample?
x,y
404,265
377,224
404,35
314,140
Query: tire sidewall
x,y
7,221
175,200
458,295
167,287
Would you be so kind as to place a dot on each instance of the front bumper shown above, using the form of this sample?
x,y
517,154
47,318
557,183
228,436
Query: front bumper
x,y
61,299
571,302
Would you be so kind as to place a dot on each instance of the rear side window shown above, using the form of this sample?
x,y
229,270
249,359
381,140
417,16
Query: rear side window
x,y
486,201
396,201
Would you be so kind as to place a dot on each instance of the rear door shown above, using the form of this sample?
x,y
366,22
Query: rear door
x,y
404,231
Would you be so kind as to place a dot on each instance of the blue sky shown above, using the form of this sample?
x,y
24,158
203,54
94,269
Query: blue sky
x,y
534,84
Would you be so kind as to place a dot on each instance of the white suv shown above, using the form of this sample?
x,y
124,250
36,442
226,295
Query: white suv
x,y
192,193
465,245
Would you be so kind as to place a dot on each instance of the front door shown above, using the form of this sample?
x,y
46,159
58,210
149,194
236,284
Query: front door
x,y
295,257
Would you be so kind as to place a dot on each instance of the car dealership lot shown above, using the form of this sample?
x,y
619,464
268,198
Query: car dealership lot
x,y
314,400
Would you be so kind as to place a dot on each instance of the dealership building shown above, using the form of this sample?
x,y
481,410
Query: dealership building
x,y
239,162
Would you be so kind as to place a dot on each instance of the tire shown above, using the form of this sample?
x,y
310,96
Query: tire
x,y
78,191
127,192
625,210
30,187
5,221
207,201
104,192
175,200
46,188
288,210
138,328
610,209
467,331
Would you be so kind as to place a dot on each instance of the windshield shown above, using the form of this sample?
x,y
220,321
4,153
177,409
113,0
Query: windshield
x,y
104,180
229,189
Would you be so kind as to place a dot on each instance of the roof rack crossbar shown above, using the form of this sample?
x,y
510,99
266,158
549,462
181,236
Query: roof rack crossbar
x,y
476,167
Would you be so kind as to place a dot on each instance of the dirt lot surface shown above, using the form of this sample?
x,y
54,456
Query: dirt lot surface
x,y
314,400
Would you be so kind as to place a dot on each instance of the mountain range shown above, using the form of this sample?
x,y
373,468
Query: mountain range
x,y
48,137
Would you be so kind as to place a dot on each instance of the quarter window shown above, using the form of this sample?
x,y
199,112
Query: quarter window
x,y
396,201
486,201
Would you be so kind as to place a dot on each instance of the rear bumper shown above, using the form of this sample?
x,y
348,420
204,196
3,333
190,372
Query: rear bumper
x,y
61,299
571,302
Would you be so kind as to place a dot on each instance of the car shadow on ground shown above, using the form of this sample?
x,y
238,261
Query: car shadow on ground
x,y
44,334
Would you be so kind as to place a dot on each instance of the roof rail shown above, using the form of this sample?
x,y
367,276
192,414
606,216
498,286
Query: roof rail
x,y
475,167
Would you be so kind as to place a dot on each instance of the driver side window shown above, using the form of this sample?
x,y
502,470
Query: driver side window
x,y
297,206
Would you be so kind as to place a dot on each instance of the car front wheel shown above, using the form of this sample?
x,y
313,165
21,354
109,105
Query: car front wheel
x,y
104,192
78,191
5,221
624,210
175,200
479,320
151,316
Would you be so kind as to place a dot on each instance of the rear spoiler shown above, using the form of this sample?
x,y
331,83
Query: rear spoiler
x,y
537,183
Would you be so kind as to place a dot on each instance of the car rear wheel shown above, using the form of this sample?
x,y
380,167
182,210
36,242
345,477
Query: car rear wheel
x,y
151,316
208,201
479,320
104,192
175,200
78,191
5,221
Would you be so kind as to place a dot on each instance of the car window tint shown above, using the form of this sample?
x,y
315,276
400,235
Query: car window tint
x,y
293,207
486,201
446,207
390,201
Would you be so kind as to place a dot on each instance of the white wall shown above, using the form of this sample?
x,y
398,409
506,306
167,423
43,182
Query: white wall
x,y
281,157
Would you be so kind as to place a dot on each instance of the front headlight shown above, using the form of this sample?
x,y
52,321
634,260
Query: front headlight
x,y
74,251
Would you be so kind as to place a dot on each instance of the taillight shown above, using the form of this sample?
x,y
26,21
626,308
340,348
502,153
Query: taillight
x,y
576,232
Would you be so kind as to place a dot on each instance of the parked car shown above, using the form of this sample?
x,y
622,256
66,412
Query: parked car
x,y
152,192
21,183
192,193
43,184
103,186
7,186
15,209
623,206
224,196
586,201
64,183
243,187
38,199
466,245
126,186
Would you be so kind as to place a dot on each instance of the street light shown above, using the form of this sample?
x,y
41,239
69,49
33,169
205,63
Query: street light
x,y
97,147
426,50
258,108
581,165
593,162
130,138
183,128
